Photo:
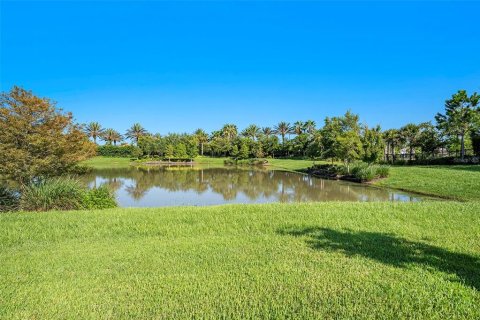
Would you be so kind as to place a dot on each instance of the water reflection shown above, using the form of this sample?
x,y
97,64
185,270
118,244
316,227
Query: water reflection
x,y
162,186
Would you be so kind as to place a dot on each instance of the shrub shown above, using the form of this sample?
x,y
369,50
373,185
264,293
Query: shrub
x,y
8,199
383,171
229,162
99,198
118,151
367,173
53,194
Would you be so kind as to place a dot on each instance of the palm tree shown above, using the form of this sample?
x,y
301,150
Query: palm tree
x,y
135,132
94,130
283,128
202,138
298,127
309,126
267,131
229,131
111,136
252,131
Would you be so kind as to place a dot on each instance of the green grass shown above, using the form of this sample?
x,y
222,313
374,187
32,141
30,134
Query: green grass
x,y
329,260
114,162
107,162
458,182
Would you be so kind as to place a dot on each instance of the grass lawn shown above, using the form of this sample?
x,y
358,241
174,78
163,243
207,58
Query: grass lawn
x,y
107,162
329,260
455,182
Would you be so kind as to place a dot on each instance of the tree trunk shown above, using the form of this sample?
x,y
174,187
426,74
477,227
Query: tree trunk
x,y
201,149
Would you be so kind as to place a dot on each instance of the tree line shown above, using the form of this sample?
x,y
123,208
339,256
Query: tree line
x,y
343,137
40,140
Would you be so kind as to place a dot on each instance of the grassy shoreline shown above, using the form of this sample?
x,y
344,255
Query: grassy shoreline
x,y
360,260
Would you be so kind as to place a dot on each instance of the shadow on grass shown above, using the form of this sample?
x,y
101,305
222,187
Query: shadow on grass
x,y
391,250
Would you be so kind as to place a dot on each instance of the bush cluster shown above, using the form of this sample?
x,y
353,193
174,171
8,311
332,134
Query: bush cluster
x,y
118,151
63,194
358,171
367,172
245,162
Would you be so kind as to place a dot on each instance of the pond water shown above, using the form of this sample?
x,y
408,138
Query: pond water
x,y
176,186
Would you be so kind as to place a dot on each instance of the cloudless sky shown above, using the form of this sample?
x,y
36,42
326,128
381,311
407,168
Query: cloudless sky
x,y
177,66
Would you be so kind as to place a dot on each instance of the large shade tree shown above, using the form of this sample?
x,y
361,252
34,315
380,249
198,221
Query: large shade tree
x,y
461,116
37,139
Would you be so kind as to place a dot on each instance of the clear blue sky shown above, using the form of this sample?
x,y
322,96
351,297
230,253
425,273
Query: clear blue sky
x,y
176,66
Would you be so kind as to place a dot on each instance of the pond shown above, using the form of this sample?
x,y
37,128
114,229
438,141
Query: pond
x,y
178,186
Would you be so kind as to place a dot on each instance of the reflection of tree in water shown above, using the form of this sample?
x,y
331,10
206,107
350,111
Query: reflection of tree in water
x,y
230,182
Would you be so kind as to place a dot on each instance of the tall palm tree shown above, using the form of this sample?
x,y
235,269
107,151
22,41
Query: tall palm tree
x,y
202,138
252,132
310,126
229,131
111,136
135,132
283,128
267,131
298,127
94,130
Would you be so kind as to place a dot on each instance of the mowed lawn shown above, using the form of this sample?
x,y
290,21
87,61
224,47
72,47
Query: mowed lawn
x,y
459,182
297,261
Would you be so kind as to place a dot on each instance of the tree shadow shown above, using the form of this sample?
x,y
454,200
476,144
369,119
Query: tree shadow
x,y
391,250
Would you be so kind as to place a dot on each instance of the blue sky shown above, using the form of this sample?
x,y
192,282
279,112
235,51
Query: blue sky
x,y
177,66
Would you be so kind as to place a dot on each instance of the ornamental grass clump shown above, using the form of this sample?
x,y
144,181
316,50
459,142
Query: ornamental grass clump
x,y
53,194
64,193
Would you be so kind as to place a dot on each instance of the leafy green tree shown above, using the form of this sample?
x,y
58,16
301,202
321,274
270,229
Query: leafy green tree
x,y
37,139
373,144
411,133
169,152
348,147
235,152
94,130
244,152
300,144
270,145
135,132
430,139
461,116
180,151
191,146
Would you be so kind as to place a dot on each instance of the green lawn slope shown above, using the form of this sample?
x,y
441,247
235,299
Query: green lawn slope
x,y
297,261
